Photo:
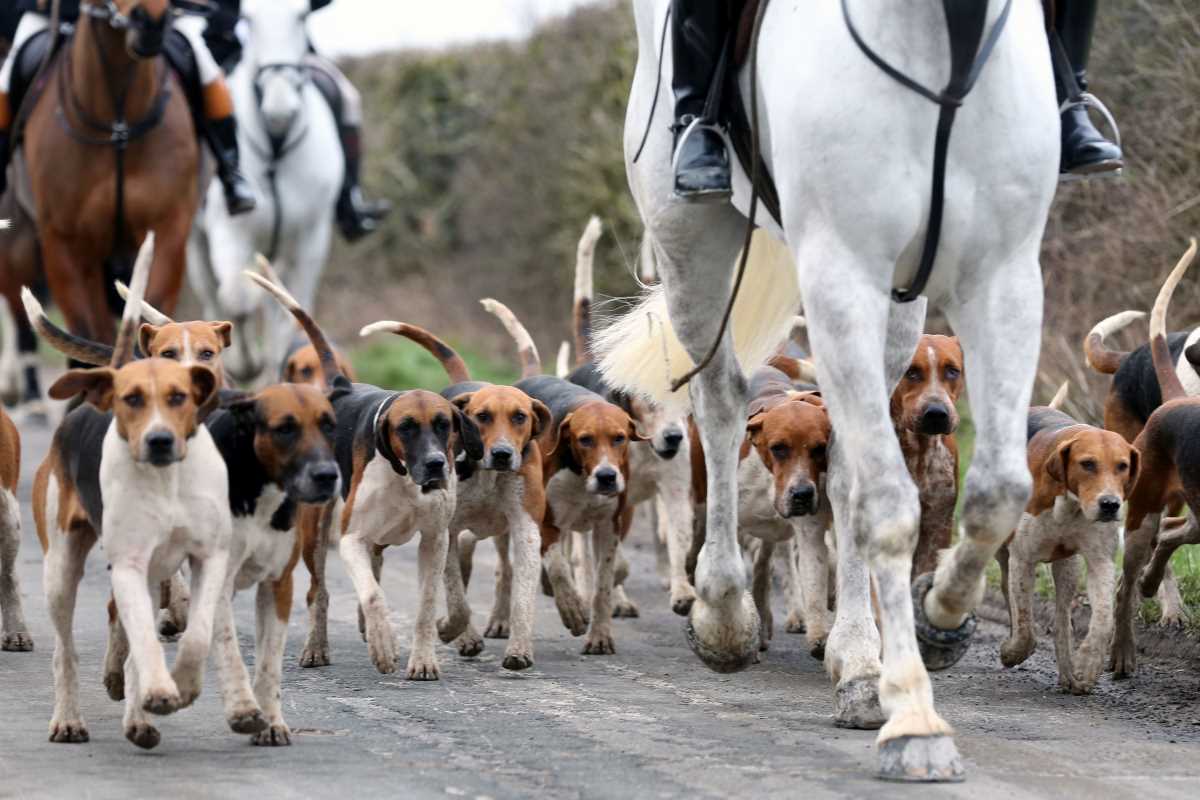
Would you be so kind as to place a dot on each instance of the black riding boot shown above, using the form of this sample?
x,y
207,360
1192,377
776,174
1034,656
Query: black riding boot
x,y
222,138
1084,148
701,162
356,216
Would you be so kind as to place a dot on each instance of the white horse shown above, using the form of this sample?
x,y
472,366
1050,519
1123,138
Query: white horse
x,y
851,152
287,129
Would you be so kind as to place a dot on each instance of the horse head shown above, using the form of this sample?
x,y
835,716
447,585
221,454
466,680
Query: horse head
x,y
144,23
279,43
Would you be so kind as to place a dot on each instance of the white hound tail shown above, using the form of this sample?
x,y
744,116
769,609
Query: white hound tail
x,y
639,352
531,362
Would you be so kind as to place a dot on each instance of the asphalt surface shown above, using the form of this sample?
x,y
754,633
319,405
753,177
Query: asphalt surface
x,y
650,721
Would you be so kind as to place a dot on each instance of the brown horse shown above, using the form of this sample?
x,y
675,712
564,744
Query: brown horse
x,y
111,154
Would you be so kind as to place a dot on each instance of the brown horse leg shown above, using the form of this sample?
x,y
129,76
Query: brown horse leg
x,y
77,286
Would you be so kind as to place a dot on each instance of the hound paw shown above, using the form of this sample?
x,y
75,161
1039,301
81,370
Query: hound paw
x,y
169,625
162,700
362,624
276,735
573,615
422,667
794,623
70,731
188,682
17,642
816,647
1015,651
114,684
246,719
599,644
682,603
496,629
1124,659
143,734
518,659
626,609
315,655
381,646
920,759
470,643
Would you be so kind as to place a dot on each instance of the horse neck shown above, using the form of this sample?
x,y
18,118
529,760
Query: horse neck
x,y
99,78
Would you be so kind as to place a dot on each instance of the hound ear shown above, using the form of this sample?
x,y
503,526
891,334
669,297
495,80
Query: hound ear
x,y
204,390
1058,463
146,334
242,406
95,384
754,428
289,370
635,432
468,434
1135,461
383,443
554,438
541,419
224,332
462,401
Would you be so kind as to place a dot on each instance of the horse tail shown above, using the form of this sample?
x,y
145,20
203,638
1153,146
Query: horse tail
x,y
1096,353
1060,396
131,317
456,368
639,352
149,312
585,257
75,347
531,362
269,282
1164,365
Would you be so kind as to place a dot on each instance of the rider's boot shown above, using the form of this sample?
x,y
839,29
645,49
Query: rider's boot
x,y
1084,149
221,131
701,161
356,216
5,127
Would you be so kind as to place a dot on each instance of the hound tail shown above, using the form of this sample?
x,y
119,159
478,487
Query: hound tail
x,y
531,362
798,370
585,257
456,368
1164,365
1097,355
562,363
269,282
149,312
132,315
75,347
640,352
1060,396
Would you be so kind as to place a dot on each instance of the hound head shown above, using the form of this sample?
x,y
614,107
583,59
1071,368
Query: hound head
x,y
666,434
1097,466
594,440
155,401
293,439
418,435
189,343
508,421
304,366
924,402
792,439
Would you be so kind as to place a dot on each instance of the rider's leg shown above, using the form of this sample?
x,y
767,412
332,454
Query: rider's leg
x,y
31,23
356,215
1084,149
220,125
698,32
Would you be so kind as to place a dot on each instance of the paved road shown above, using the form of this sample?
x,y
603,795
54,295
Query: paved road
x,y
647,722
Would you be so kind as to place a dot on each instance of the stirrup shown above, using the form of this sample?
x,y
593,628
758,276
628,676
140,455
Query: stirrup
x,y
1089,100
709,196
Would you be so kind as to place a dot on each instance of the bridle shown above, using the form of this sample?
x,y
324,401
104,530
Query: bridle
x,y
280,146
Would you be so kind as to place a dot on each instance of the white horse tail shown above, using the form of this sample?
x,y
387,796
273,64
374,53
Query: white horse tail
x,y
585,257
131,318
639,352
531,362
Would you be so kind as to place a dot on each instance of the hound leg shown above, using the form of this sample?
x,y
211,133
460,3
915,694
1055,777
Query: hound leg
x,y
314,532
792,589
457,627
431,561
622,605
810,562
115,654
760,589
674,510
381,639
646,516
1152,577
1022,571
559,574
208,589
499,621
999,326
1088,660
1066,583
14,636
136,722
273,607
1138,547
526,543
62,570
172,615
466,555
1174,613
242,711
583,559
604,539
159,693
377,571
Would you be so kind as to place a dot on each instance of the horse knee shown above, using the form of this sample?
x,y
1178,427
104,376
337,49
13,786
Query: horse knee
x,y
890,515
993,501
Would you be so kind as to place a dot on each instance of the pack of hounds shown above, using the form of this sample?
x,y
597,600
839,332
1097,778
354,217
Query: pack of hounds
x,y
197,491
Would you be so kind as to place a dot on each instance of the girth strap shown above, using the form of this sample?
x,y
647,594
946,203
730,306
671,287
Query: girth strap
x,y
969,51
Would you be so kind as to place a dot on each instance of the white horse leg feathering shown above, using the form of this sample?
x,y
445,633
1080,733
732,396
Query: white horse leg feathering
x,y
855,207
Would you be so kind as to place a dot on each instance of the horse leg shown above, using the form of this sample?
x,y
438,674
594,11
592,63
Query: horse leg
x,y
170,259
78,289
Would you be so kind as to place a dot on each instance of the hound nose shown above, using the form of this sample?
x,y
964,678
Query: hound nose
x,y
324,476
935,421
160,445
802,500
435,466
1109,506
502,457
671,442
606,479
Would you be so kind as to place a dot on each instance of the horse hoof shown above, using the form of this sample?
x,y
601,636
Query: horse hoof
x,y
940,649
856,705
920,759
719,660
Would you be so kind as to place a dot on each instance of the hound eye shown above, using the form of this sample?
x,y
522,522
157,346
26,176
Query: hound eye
x,y
780,450
440,424
619,439
134,400
307,372
913,374
952,373
1088,465
519,418
1122,467
408,425
206,355
176,399
484,416
818,451
169,353
286,429
586,441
